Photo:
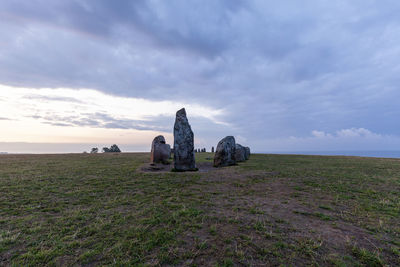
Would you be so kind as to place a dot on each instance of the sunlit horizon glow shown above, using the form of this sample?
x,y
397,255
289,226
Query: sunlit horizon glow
x,y
66,115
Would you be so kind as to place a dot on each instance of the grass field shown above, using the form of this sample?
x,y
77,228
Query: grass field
x,y
100,209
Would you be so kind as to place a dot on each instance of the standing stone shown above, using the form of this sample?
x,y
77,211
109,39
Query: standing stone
x,y
160,151
240,154
225,152
247,155
212,149
184,159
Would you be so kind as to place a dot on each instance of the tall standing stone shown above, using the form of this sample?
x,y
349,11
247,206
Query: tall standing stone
x,y
184,159
160,151
212,149
225,152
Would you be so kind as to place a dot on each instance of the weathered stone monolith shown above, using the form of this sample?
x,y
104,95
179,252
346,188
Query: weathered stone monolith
x,y
160,151
184,159
225,152
212,149
240,153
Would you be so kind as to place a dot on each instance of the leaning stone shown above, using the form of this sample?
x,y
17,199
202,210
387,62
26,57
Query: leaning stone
x,y
160,151
240,153
225,152
184,159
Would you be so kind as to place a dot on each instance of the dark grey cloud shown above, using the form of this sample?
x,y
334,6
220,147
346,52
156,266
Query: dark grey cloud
x,y
278,68
105,19
58,124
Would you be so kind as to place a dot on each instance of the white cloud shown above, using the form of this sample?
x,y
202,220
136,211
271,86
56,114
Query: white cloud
x,y
73,116
355,132
21,102
241,139
341,140
319,134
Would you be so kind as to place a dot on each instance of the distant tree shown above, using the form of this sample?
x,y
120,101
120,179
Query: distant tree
x,y
94,150
114,148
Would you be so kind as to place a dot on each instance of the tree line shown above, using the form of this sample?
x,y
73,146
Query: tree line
x,y
112,149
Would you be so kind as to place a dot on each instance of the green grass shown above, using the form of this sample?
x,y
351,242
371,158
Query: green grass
x,y
98,209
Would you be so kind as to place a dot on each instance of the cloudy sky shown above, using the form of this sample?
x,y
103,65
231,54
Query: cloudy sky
x,y
278,75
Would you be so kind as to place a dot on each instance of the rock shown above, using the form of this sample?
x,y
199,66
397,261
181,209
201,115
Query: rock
x,y
225,152
247,155
212,149
240,153
169,151
160,151
184,159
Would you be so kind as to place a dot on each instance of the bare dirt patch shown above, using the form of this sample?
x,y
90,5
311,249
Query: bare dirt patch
x,y
266,211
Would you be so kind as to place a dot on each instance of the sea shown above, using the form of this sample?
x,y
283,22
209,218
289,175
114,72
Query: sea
x,y
372,153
